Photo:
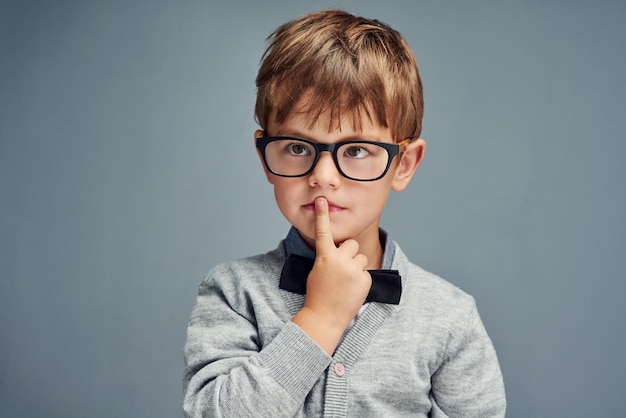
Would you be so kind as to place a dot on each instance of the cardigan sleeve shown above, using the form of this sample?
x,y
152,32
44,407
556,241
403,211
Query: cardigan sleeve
x,y
469,381
227,371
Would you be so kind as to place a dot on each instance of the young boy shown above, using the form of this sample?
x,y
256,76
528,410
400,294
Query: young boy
x,y
280,335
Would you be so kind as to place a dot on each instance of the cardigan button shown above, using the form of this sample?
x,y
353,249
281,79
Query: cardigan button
x,y
339,369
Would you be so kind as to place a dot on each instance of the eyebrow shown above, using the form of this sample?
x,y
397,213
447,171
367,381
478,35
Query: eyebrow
x,y
297,134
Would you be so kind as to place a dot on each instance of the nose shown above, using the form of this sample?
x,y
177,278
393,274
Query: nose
x,y
325,172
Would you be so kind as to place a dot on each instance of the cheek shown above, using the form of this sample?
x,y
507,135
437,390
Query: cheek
x,y
285,193
374,200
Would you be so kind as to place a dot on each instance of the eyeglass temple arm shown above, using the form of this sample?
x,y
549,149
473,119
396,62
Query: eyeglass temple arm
x,y
404,144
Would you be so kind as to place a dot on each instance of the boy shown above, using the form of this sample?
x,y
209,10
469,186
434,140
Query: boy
x,y
280,335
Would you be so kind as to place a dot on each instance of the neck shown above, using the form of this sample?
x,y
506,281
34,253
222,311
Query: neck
x,y
374,254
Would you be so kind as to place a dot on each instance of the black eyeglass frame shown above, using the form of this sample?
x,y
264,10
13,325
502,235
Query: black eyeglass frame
x,y
392,151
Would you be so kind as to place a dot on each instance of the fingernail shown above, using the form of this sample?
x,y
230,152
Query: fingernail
x,y
320,202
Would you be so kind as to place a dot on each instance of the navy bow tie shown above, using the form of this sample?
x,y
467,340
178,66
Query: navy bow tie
x,y
386,284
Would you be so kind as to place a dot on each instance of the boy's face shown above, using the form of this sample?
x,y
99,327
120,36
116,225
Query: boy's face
x,y
355,206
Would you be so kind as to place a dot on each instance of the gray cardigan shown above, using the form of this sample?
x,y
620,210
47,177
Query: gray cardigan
x,y
429,356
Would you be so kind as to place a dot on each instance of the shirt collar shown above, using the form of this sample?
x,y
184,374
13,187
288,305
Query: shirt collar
x,y
294,244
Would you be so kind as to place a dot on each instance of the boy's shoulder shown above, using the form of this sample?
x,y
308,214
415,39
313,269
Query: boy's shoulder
x,y
245,271
431,291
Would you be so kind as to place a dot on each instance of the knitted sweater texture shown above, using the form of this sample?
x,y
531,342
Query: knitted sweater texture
x,y
429,356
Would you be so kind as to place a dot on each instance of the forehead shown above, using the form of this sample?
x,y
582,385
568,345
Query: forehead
x,y
310,119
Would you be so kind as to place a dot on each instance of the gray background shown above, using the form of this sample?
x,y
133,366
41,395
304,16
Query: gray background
x,y
127,170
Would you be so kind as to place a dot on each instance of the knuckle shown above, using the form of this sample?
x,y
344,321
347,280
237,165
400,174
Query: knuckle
x,y
351,244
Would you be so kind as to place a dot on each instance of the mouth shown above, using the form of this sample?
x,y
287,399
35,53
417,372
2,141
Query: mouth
x,y
332,207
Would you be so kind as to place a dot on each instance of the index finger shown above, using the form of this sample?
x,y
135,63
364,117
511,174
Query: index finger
x,y
323,237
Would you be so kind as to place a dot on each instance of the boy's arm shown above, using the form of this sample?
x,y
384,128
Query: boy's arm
x,y
228,375
469,381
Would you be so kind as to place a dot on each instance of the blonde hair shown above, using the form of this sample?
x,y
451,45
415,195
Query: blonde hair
x,y
342,64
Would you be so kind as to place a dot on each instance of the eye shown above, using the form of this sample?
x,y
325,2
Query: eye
x,y
355,151
298,149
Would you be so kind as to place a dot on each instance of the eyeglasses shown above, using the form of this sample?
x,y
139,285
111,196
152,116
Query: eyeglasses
x,y
358,160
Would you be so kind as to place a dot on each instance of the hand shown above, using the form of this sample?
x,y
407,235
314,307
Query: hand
x,y
337,285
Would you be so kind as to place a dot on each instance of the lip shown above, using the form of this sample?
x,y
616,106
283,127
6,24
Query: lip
x,y
332,207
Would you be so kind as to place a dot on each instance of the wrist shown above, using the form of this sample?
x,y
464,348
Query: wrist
x,y
325,330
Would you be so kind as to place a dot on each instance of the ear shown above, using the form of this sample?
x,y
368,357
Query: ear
x,y
258,134
410,160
